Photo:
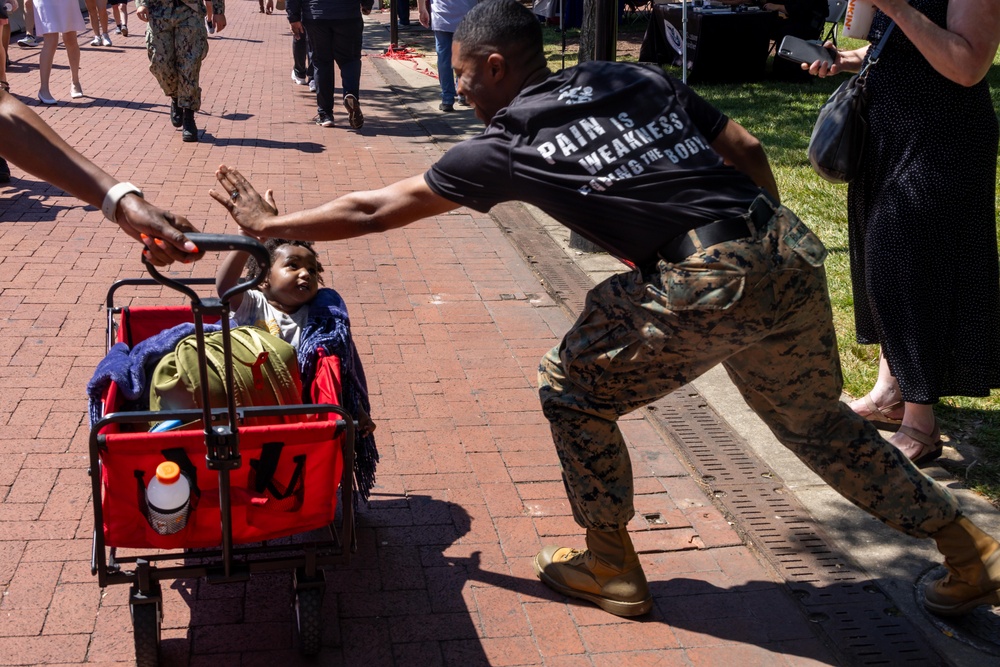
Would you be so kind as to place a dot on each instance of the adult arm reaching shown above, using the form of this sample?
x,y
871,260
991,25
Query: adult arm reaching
x,y
35,147
348,216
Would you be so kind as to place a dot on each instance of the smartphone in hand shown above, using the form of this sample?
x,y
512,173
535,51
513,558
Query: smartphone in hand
x,y
805,51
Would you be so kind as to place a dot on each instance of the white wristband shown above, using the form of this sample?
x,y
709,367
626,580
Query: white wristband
x,y
115,194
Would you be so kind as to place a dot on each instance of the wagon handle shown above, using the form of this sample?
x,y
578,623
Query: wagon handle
x,y
218,243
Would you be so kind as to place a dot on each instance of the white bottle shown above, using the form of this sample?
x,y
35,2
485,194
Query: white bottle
x,y
858,18
168,497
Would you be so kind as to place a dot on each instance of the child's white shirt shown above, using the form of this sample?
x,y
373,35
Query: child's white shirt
x,y
255,310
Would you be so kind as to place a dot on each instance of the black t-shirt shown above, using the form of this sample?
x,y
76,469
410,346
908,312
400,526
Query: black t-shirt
x,y
619,153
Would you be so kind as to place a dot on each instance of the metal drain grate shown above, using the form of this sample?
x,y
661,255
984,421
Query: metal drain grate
x,y
856,617
850,609
562,278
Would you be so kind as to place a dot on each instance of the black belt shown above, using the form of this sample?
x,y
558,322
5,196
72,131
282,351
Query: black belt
x,y
720,231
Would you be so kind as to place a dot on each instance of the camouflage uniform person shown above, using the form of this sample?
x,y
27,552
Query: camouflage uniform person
x,y
177,42
634,160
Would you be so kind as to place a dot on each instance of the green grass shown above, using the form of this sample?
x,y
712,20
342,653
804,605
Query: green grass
x,y
781,115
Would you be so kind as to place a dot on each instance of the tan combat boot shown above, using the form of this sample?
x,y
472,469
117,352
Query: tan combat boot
x,y
973,561
608,573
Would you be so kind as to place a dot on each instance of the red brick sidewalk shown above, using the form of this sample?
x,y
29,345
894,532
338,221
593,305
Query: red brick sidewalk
x,y
451,323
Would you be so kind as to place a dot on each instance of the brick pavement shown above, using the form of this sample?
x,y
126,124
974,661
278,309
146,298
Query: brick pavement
x,y
450,322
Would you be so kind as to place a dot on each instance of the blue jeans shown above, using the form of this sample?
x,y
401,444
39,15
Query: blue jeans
x,y
335,41
446,75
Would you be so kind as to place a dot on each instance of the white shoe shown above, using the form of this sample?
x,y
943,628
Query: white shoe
x,y
28,41
106,39
96,41
75,92
298,80
45,99
118,30
312,86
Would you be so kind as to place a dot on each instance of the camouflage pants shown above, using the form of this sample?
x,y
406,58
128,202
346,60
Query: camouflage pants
x,y
177,42
759,306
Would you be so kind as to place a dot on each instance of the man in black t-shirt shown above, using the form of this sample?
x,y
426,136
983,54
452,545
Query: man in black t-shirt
x,y
638,163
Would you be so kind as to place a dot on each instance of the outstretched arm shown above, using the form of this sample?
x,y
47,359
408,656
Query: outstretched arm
x,y
351,215
35,147
963,52
743,151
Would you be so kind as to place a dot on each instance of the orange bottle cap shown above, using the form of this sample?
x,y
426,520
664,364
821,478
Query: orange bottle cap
x,y
168,472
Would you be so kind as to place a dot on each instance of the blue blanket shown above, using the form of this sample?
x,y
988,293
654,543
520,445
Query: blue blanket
x,y
328,327
130,369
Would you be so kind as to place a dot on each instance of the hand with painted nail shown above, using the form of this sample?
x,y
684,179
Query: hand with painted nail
x,y
162,232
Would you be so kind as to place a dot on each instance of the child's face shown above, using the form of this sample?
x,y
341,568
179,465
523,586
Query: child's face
x,y
293,280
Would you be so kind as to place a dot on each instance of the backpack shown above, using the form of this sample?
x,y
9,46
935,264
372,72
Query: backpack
x,y
265,372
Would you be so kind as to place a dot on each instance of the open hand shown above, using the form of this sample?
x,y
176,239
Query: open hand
x,y
244,203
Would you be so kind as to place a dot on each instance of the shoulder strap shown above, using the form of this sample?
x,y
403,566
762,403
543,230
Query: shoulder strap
x,y
877,50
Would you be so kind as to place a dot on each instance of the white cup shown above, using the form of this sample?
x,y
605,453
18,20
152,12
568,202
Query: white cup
x,y
858,19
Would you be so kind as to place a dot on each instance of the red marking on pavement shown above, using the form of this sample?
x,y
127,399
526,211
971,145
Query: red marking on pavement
x,y
409,55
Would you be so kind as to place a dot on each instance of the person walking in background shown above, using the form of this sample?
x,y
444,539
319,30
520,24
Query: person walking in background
x,y
5,41
302,67
54,18
120,10
922,214
443,16
5,37
177,43
335,29
636,161
98,11
402,13
29,39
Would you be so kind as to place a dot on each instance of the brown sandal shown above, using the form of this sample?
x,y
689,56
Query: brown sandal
x,y
930,444
5,86
880,416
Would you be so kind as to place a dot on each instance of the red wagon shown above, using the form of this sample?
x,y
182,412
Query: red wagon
x,y
250,484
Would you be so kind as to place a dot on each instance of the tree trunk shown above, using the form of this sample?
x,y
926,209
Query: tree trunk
x,y
588,31
588,41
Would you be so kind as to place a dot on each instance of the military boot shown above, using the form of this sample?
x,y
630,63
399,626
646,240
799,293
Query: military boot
x,y
972,559
175,113
190,130
607,573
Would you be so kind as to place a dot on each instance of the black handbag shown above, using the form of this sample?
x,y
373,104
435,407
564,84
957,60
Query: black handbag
x,y
837,144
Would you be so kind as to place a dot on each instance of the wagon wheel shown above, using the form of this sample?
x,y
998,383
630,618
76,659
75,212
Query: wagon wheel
x,y
309,619
146,631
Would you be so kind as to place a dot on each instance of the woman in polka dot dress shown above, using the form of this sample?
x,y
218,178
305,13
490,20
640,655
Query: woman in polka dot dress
x,y
922,219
